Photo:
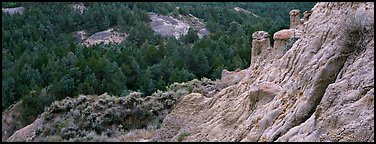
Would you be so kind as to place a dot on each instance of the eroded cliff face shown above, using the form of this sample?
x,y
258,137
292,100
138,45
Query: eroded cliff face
x,y
320,90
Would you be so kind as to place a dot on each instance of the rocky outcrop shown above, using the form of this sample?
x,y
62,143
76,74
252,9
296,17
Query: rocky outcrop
x,y
260,42
294,18
320,90
16,10
168,26
27,133
284,39
80,36
11,120
177,26
105,37
238,9
306,14
195,23
230,78
79,7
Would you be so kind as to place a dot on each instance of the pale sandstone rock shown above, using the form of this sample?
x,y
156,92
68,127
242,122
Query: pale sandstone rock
x,y
177,26
284,34
27,133
260,43
238,9
306,14
105,37
80,36
79,7
10,121
12,11
230,78
294,18
282,37
320,90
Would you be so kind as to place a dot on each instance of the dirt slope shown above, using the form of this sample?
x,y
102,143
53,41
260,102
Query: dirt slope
x,y
320,90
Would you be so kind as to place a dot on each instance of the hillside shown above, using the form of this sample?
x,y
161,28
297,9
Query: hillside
x,y
302,75
56,50
103,117
319,90
313,85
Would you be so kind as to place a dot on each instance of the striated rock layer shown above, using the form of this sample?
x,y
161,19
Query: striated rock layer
x,y
319,90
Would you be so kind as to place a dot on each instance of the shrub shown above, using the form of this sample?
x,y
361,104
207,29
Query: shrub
x,y
101,118
182,136
53,138
356,32
33,105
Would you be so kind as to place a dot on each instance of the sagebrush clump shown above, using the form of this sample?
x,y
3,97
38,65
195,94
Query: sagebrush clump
x,y
107,118
182,136
356,33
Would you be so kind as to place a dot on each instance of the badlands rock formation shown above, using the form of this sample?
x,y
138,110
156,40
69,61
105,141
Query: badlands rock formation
x,y
105,37
307,14
283,37
320,90
230,78
80,36
79,7
170,26
260,42
195,23
12,11
238,9
294,18
10,121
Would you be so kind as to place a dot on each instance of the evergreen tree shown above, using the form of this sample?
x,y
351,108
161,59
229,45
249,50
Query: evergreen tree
x,y
191,36
8,92
200,65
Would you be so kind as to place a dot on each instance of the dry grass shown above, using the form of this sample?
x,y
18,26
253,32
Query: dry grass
x,y
138,135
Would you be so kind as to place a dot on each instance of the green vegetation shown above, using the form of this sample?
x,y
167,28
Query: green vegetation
x,y
40,52
10,4
182,136
106,118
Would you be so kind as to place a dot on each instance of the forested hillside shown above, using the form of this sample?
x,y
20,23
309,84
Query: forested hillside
x,y
43,62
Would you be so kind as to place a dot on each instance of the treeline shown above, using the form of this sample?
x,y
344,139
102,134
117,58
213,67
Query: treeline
x,y
42,62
